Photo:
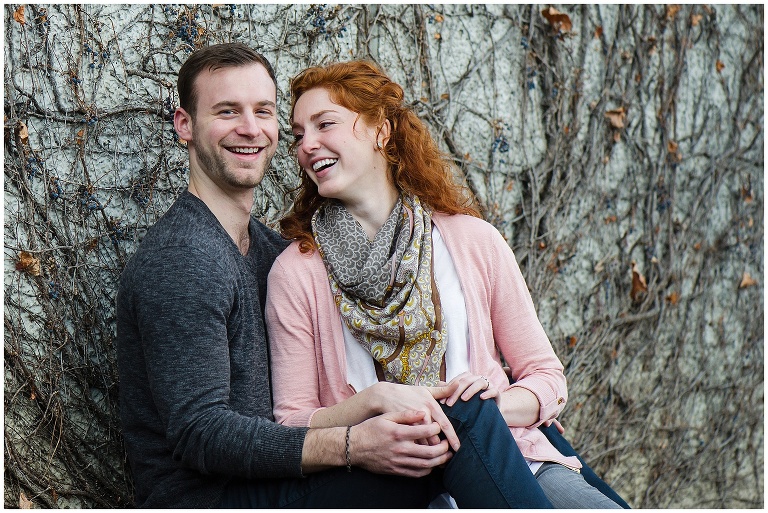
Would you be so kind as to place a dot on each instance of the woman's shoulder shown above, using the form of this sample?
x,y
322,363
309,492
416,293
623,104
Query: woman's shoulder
x,y
292,262
462,223
292,256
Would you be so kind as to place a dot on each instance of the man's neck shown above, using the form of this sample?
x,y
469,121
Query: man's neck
x,y
232,211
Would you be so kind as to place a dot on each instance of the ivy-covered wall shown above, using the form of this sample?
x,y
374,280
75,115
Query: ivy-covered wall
x,y
619,149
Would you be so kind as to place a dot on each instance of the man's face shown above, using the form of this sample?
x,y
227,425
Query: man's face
x,y
233,134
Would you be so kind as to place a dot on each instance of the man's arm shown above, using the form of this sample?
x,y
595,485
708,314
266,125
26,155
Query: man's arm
x,y
386,444
183,304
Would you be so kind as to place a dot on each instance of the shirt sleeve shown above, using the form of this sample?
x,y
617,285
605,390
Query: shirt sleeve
x,y
521,337
293,353
183,321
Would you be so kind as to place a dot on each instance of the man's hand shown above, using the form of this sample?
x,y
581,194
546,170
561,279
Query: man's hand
x,y
388,444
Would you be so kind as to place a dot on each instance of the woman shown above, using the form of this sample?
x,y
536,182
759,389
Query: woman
x,y
394,280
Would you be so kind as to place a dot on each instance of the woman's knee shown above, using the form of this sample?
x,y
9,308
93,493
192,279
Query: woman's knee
x,y
474,410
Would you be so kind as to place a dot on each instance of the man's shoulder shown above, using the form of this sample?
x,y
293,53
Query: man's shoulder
x,y
186,232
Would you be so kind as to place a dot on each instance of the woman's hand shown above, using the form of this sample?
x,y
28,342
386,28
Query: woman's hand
x,y
466,385
394,397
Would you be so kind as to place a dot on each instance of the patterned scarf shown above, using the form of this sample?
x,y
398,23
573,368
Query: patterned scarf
x,y
384,289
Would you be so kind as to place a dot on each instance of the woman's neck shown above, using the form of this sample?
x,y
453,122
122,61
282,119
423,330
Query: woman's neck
x,y
372,212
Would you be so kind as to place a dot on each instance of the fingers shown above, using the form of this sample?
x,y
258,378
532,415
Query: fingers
x,y
405,417
466,386
479,383
394,448
492,393
434,439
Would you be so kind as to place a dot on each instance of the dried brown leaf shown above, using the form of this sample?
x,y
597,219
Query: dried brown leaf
x,y
18,15
719,66
616,117
673,298
598,32
672,10
24,503
28,263
22,132
696,18
747,281
746,194
672,146
639,285
560,22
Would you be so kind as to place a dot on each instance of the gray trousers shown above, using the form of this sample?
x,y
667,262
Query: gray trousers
x,y
567,489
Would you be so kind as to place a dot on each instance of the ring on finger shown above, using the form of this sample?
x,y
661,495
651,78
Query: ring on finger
x,y
487,383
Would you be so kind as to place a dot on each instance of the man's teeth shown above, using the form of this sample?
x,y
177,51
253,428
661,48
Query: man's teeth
x,y
323,163
245,150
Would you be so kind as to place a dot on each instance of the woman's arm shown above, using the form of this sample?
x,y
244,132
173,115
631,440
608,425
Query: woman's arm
x,y
301,368
519,406
539,392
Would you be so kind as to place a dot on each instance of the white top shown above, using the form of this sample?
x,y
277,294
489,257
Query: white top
x,y
360,369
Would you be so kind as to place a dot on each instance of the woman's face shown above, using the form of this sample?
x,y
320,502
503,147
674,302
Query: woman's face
x,y
337,149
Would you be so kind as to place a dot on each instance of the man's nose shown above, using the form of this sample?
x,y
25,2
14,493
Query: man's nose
x,y
249,125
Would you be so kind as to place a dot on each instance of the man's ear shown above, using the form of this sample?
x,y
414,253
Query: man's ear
x,y
182,123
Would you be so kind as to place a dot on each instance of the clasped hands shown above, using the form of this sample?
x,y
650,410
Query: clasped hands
x,y
406,432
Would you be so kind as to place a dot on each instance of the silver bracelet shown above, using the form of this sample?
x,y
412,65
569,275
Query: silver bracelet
x,y
346,450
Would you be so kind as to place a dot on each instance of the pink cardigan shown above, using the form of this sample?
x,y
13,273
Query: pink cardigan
x,y
308,359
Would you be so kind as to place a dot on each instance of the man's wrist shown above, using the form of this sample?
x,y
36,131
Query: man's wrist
x,y
324,448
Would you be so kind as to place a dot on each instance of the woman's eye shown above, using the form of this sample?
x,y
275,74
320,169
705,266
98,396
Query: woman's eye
x,y
297,137
325,124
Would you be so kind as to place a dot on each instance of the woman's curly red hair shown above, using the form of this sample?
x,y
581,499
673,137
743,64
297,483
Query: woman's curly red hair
x,y
417,165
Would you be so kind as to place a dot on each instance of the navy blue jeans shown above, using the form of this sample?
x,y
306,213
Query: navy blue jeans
x,y
488,471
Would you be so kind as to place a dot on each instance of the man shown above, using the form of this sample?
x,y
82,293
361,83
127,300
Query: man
x,y
193,359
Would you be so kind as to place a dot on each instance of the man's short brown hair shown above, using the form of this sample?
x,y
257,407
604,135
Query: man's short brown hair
x,y
211,58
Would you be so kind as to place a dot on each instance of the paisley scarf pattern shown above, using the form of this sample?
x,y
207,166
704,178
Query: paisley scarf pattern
x,y
384,288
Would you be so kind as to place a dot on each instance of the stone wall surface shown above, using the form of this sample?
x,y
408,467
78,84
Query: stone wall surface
x,y
619,150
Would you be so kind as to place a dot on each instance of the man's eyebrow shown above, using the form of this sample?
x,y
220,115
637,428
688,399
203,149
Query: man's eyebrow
x,y
313,117
228,103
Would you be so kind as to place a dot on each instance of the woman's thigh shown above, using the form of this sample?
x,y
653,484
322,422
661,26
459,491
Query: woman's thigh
x,y
567,489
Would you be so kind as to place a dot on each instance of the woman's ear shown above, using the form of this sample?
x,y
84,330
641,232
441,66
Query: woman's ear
x,y
382,137
182,123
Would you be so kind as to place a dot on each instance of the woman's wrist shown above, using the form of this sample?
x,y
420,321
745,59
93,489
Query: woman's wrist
x,y
376,403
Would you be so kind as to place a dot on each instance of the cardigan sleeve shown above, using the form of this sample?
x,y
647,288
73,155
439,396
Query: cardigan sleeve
x,y
294,359
520,336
